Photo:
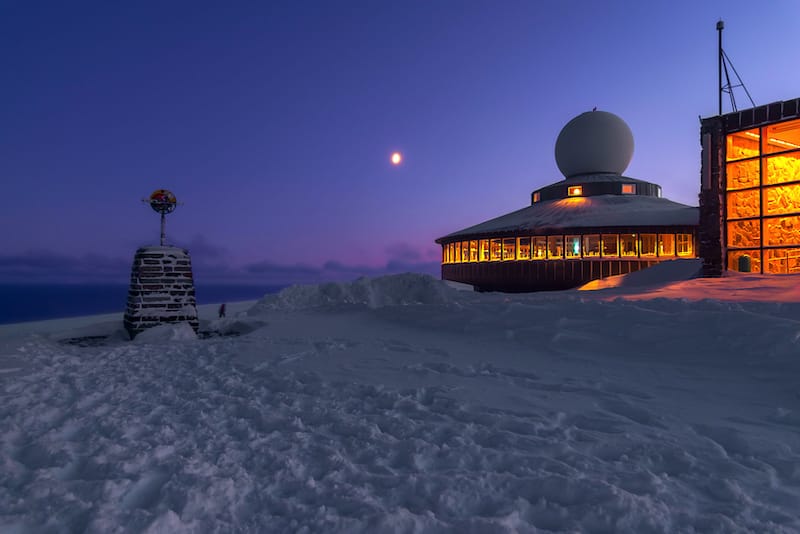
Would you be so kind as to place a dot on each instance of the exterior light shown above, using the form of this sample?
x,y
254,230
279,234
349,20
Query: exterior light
x,y
575,190
628,189
537,196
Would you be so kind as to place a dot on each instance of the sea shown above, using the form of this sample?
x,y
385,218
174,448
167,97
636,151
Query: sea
x,y
36,302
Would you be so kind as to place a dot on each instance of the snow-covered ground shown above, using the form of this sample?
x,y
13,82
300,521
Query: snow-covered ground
x,y
401,404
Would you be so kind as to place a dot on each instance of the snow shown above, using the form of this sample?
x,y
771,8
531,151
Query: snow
x,y
604,211
402,404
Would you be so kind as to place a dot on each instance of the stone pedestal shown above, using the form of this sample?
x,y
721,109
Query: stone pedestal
x,y
161,290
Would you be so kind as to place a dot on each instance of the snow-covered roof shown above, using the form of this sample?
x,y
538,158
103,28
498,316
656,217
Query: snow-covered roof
x,y
587,212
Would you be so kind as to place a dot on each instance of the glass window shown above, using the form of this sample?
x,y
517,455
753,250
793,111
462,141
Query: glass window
x,y
743,204
496,250
779,200
555,246
591,245
484,245
458,252
782,260
684,244
648,244
465,251
473,251
509,252
572,246
609,242
523,248
742,234
539,248
754,255
628,189
742,174
742,145
782,169
782,136
537,196
666,244
781,231
627,245
575,190
444,253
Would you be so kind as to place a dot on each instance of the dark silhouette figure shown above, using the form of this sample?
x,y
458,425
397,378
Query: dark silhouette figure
x,y
222,311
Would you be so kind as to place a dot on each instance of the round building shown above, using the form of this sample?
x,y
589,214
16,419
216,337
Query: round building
x,y
594,223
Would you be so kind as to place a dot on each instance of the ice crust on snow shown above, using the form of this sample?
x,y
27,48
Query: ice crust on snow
x,y
358,408
166,333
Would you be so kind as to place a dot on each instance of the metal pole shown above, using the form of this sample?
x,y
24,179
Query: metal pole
x,y
720,27
163,229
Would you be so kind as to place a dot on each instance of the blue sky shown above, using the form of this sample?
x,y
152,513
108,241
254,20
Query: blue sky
x,y
273,122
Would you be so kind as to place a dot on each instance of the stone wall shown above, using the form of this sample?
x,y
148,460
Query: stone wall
x,y
161,290
710,232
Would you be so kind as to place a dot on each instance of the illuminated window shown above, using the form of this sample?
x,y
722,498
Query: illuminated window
x,y
647,244
523,248
537,196
496,249
609,245
539,251
457,256
465,251
473,251
591,245
575,190
666,244
741,145
781,231
628,189
742,204
572,246
781,137
782,169
782,260
684,244
742,174
484,246
627,245
444,253
754,255
555,246
509,252
741,234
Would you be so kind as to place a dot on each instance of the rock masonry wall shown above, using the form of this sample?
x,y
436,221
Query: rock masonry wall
x,y
161,290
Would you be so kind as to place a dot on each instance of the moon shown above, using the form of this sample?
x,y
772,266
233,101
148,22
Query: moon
x,y
397,158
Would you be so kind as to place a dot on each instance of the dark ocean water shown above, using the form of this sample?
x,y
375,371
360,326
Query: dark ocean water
x,y
20,303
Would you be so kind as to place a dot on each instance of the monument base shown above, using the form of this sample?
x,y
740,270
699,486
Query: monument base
x,y
161,290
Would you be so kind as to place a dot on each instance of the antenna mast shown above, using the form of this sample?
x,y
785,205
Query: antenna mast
x,y
723,61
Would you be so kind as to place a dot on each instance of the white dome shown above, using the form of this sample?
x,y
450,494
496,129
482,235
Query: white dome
x,y
594,142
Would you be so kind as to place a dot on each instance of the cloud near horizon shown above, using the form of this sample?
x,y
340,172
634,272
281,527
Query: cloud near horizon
x,y
37,266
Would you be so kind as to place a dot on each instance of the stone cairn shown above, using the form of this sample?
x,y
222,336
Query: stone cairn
x,y
162,284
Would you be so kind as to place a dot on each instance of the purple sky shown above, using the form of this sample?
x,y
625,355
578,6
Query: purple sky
x,y
273,122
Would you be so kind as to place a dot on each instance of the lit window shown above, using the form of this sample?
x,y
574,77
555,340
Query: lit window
x,y
591,245
628,189
457,257
465,251
484,245
497,249
666,244
537,196
555,246
508,249
647,244
539,248
609,245
473,251
575,190
627,245
684,245
572,247
782,136
523,248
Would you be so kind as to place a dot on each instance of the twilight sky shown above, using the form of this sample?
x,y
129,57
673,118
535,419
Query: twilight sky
x,y
273,122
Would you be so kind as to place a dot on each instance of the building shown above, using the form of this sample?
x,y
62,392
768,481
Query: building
x,y
594,223
750,190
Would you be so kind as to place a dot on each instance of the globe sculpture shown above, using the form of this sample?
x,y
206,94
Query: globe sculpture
x,y
163,201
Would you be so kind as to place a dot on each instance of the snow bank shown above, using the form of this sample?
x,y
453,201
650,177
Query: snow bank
x,y
393,290
167,333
